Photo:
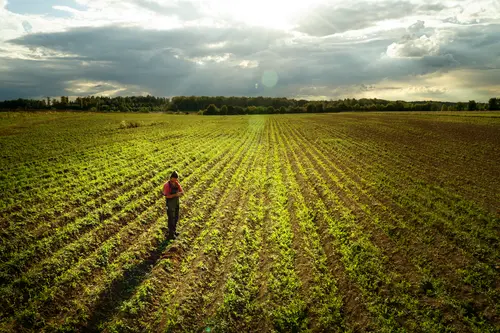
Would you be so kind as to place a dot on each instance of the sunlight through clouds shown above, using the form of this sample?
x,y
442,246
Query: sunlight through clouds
x,y
272,48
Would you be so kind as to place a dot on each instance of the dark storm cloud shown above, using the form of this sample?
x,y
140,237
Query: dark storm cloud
x,y
132,56
154,60
164,62
29,79
109,42
476,47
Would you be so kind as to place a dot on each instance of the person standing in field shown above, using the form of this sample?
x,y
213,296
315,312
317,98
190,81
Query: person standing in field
x,y
172,190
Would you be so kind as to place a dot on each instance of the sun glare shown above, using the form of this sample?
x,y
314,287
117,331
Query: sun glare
x,y
276,14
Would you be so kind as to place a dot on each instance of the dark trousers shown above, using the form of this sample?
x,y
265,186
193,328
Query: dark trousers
x,y
173,218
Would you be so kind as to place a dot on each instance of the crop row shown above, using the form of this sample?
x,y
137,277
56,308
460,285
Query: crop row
x,y
72,231
118,221
211,253
381,221
418,225
101,172
141,174
206,215
86,203
145,248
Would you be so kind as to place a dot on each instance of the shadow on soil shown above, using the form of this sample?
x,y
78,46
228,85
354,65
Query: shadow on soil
x,y
122,289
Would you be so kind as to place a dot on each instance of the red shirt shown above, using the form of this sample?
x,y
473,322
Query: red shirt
x,y
166,188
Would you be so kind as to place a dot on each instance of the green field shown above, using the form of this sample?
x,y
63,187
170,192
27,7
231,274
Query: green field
x,y
321,223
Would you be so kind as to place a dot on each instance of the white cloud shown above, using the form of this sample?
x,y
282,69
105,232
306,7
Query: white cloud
x,y
415,46
211,58
103,88
416,27
67,9
249,64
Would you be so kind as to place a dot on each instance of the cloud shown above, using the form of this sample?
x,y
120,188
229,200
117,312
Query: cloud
x,y
476,47
180,61
432,7
414,47
186,10
326,19
190,60
108,42
27,26
416,27
149,46
455,20
454,85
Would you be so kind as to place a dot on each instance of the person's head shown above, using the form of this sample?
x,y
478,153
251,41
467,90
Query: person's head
x,y
174,176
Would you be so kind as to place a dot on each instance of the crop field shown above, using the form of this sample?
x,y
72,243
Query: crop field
x,y
383,222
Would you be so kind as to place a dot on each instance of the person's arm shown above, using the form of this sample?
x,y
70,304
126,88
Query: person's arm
x,y
181,191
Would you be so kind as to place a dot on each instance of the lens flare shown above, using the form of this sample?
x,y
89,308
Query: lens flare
x,y
269,79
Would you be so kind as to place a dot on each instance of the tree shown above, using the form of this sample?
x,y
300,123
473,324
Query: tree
x,y
493,104
64,101
231,110
472,105
239,110
319,107
460,106
223,110
211,110
270,110
237,105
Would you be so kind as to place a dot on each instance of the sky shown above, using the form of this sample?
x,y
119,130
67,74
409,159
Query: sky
x,y
446,50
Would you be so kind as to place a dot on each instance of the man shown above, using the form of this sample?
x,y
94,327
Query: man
x,y
172,190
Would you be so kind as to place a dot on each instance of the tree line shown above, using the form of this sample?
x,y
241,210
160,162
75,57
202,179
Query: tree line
x,y
91,103
220,105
